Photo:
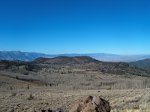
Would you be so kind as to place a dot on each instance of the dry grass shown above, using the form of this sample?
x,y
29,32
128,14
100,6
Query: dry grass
x,y
121,92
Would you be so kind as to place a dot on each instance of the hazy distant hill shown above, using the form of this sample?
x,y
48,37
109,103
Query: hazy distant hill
x,y
145,64
112,57
118,58
29,56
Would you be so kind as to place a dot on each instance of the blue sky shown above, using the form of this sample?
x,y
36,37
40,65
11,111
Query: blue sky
x,y
75,26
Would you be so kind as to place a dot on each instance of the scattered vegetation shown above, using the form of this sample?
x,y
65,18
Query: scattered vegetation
x,y
13,94
31,97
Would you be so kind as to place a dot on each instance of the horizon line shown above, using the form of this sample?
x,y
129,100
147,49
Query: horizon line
x,y
72,53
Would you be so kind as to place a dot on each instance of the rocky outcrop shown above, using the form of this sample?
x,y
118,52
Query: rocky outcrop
x,y
91,104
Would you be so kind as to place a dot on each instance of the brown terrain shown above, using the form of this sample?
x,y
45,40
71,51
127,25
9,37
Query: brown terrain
x,y
58,83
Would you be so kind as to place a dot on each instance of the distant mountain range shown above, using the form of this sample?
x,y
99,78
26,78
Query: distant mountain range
x,y
23,56
30,56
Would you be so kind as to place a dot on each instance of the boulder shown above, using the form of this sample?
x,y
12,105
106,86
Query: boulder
x,y
91,104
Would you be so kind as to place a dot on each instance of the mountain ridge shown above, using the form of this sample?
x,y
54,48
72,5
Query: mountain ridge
x,y
30,56
66,60
83,63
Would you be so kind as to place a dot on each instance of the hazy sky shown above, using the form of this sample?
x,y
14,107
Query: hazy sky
x,y
75,26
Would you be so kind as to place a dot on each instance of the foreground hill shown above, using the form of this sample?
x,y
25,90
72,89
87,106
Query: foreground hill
x,y
21,96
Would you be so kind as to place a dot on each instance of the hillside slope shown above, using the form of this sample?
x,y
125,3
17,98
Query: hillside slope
x,y
144,64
